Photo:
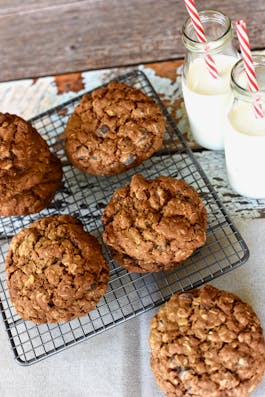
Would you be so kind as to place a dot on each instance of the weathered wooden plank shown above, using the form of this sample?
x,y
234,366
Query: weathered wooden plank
x,y
22,7
50,37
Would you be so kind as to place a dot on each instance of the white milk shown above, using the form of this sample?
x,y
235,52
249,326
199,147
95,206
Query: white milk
x,y
207,100
245,151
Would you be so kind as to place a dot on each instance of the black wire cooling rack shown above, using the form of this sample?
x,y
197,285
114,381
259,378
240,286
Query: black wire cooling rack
x,y
85,196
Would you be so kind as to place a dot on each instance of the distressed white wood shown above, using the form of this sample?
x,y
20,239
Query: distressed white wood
x,y
28,98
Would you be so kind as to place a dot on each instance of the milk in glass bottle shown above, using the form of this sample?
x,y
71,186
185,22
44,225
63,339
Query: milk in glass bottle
x,y
245,132
206,98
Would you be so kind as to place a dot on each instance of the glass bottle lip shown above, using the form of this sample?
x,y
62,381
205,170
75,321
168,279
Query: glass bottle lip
x,y
243,91
205,15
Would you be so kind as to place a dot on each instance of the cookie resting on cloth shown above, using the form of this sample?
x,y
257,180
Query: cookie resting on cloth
x,y
207,343
154,224
55,270
29,173
114,128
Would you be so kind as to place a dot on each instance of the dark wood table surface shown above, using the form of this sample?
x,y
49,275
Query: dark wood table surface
x,y
47,37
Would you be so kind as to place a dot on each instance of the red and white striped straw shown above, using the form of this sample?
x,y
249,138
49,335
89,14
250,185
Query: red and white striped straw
x,y
242,35
200,33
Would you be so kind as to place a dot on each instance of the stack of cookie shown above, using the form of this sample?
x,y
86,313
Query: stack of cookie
x,y
207,342
55,270
29,173
114,128
154,225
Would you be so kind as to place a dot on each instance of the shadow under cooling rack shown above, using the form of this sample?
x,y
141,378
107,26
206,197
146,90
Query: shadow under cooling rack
x,y
85,196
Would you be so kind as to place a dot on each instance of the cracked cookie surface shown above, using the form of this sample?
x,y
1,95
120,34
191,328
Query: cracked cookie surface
x,y
154,225
55,270
114,128
207,343
29,173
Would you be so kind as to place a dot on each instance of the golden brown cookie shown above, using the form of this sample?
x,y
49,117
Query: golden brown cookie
x,y
114,128
207,343
29,173
154,225
55,270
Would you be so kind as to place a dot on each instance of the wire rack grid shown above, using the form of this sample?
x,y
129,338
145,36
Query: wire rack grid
x,y
85,196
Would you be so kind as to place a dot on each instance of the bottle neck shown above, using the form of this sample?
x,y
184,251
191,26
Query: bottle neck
x,y
239,81
219,35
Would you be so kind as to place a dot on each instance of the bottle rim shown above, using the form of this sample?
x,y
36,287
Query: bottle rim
x,y
196,45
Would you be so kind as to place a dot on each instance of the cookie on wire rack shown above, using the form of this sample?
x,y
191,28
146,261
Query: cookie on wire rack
x,y
207,343
55,270
114,128
154,224
29,173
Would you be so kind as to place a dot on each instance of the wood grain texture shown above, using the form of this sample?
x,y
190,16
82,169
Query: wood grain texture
x,y
41,37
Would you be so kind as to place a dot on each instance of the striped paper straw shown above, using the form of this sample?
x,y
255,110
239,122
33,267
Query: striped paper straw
x,y
242,35
200,33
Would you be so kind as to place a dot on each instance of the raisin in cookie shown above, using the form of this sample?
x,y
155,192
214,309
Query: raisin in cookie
x,y
207,343
29,173
55,270
114,128
154,225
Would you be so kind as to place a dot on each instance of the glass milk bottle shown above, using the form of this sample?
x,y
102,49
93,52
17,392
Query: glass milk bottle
x,y
245,133
207,99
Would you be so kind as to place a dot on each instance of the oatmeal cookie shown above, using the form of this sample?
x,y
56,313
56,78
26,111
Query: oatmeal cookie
x,y
55,270
114,128
207,343
153,225
29,173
